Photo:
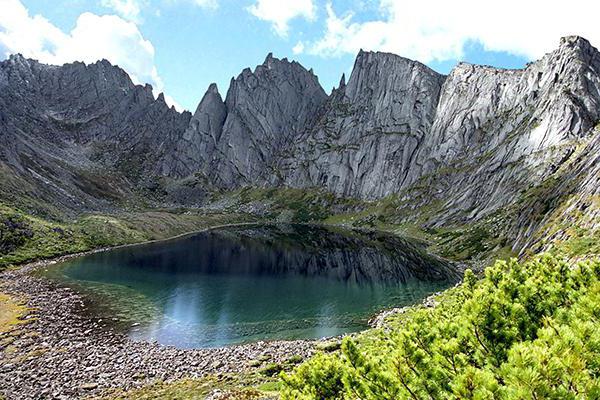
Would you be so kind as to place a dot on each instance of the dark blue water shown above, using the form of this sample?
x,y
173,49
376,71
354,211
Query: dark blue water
x,y
249,283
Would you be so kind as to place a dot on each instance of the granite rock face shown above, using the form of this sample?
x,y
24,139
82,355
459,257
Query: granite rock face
x,y
201,137
476,136
80,136
468,142
497,132
267,109
397,121
365,142
239,141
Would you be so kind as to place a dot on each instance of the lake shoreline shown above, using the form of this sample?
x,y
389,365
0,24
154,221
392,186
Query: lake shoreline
x,y
57,352
60,352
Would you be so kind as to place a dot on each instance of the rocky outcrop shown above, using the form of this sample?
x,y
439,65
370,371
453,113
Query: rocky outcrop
x,y
239,141
467,143
497,132
77,136
199,141
398,121
365,142
267,109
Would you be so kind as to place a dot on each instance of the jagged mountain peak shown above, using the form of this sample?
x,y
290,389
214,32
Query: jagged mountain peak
x,y
211,100
342,83
392,122
213,88
270,75
574,49
17,58
575,41
364,58
372,69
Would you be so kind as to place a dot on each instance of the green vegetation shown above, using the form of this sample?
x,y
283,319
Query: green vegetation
x,y
25,238
11,312
287,204
273,369
571,228
525,331
230,387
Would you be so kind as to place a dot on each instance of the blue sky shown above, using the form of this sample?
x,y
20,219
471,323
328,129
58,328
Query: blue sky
x,y
181,46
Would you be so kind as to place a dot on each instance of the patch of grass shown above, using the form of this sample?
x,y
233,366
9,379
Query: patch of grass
x,y
295,359
571,228
11,312
289,204
271,386
32,238
230,387
181,389
329,346
272,369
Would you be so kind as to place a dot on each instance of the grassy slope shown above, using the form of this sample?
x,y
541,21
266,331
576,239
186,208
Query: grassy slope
x,y
11,311
27,238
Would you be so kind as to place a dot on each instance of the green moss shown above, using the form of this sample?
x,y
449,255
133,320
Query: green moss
x,y
182,389
295,359
270,387
272,369
329,346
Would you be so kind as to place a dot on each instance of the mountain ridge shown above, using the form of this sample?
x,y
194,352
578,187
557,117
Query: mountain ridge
x,y
464,146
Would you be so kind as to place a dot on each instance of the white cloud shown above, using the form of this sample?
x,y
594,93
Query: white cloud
x,y
205,4
281,12
93,38
132,9
128,9
298,48
438,29
208,4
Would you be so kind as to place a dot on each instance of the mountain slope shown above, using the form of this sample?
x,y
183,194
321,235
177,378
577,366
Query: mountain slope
x,y
64,129
365,141
441,151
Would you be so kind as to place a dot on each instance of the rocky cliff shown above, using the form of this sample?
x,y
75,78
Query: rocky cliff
x,y
80,136
461,146
483,132
364,144
239,141
497,132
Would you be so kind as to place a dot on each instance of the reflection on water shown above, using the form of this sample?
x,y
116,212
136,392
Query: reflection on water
x,y
248,283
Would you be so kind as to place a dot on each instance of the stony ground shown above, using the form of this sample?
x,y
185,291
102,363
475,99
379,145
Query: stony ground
x,y
60,353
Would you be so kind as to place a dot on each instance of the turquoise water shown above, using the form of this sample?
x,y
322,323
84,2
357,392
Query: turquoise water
x,y
249,283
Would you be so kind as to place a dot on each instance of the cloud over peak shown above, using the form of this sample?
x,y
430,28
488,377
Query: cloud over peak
x,y
431,30
93,38
280,12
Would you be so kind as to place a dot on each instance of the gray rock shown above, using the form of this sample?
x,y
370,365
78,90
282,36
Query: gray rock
x,y
267,109
84,137
78,136
364,144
